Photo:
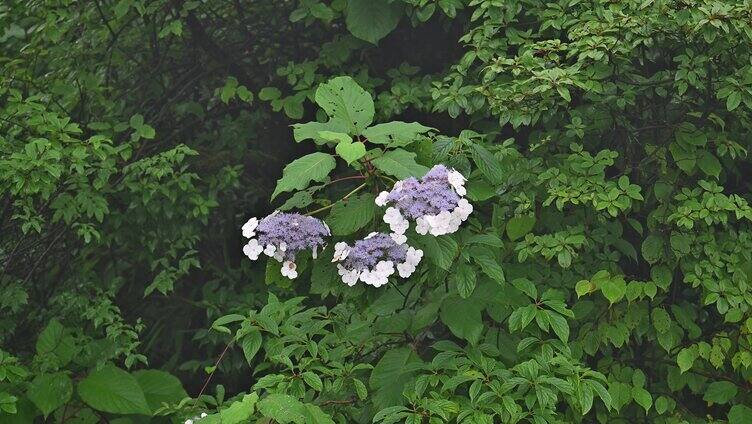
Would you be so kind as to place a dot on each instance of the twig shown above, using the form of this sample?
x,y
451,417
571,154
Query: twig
x,y
355,190
216,365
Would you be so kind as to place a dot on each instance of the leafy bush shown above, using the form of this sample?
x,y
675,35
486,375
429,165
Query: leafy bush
x,y
603,275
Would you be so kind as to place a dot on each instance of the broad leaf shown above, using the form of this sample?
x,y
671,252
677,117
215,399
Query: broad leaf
x,y
346,103
113,390
372,20
50,391
395,133
351,215
160,388
399,163
298,174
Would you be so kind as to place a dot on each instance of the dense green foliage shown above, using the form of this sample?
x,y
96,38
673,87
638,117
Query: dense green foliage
x,y
604,276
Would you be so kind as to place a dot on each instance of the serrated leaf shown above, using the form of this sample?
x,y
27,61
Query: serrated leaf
x,y
313,380
399,163
487,163
50,391
463,317
519,226
251,343
346,103
160,388
439,250
351,215
464,279
372,20
395,133
614,289
299,173
720,392
113,390
351,152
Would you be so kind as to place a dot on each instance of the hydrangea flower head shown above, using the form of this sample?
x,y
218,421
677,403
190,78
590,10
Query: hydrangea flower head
x,y
434,202
373,259
282,235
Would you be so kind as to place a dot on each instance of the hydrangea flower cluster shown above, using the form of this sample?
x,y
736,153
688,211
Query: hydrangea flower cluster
x,y
372,260
435,203
282,235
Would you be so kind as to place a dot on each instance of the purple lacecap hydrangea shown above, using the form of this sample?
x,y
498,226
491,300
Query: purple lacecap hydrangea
x,y
374,259
282,236
295,231
366,253
434,202
428,196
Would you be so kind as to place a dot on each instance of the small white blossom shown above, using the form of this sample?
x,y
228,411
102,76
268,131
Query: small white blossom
x,y
252,249
249,228
381,198
341,250
270,249
457,181
289,269
398,238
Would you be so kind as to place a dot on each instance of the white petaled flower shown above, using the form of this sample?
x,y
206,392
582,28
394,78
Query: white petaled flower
x,y
341,250
252,249
203,415
421,226
289,269
396,221
381,198
269,250
398,238
249,228
457,181
349,277
189,421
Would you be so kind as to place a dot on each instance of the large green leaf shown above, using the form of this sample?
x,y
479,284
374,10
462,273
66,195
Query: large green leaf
x,y
238,412
372,20
390,374
400,163
50,391
113,390
720,392
351,215
286,409
463,317
346,103
159,387
464,278
56,342
300,172
395,133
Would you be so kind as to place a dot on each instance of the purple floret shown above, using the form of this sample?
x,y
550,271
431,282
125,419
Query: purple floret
x,y
298,232
366,253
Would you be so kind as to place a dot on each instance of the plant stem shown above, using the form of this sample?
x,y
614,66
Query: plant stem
x,y
355,190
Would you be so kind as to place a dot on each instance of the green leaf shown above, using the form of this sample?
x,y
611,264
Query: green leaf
x,y
613,289
399,163
464,279
390,374
487,163
351,215
395,133
519,226
298,174
269,93
113,390
56,341
642,397
313,380
346,103
251,343
709,164
559,325
489,265
439,250
50,391
160,387
351,152
652,248
282,408
686,358
740,414
463,317
238,412
733,100
720,392
372,20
